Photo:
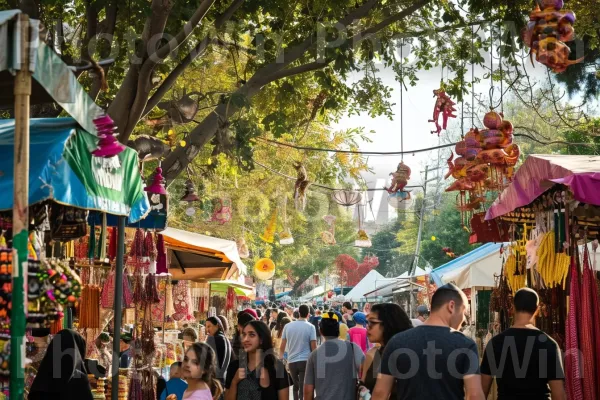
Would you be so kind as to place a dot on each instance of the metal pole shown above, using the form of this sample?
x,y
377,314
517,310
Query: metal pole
x,y
421,218
118,303
22,94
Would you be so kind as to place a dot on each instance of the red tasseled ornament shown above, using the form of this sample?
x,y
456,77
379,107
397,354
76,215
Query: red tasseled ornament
x,y
138,291
112,244
151,291
135,389
137,247
202,307
230,299
161,256
149,249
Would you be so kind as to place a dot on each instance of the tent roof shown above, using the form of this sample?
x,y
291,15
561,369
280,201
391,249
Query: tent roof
x,y
540,172
206,257
53,80
418,272
476,268
239,288
62,169
370,282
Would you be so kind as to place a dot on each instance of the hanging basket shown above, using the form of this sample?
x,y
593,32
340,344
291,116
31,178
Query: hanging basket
x,y
285,237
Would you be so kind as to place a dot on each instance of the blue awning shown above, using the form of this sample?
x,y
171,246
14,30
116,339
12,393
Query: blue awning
x,y
62,169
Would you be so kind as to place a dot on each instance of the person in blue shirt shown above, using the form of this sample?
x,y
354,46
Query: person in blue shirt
x,y
175,385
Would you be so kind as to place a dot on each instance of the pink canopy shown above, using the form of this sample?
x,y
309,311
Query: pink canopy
x,y
540,172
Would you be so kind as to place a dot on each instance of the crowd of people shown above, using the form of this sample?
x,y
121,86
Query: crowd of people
x,y
345,354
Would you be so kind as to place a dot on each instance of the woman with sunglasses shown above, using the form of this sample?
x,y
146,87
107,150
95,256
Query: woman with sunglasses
x,y
383,322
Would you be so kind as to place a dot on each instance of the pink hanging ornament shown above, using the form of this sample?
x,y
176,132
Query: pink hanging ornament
x,y
157,186
108,146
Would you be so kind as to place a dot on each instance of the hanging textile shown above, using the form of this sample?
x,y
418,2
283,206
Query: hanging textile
x,y
572,359
590,324
182,301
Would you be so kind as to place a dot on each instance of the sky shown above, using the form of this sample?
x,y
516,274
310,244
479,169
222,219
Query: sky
x,y
418,104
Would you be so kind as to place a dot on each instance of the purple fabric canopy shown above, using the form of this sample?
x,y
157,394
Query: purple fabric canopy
x,y
540,172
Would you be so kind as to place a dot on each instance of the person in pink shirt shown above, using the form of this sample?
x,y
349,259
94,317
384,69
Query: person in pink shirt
x,y
358,334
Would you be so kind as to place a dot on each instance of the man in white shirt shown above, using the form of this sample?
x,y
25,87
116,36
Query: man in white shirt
x,y
299,339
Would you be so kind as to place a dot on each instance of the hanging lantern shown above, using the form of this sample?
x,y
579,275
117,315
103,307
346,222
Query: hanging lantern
x,y
316,279
190,196
346,198
264,269
108,146
157,186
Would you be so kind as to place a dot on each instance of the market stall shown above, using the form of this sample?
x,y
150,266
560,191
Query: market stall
x,y
552,208
78,165
370,282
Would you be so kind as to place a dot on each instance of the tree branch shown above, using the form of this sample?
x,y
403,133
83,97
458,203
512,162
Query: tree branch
x,y
554,141
143,84
199,49
301,69
178,160
446,28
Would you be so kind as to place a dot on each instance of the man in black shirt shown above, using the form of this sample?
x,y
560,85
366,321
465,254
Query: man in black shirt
x,y
525,361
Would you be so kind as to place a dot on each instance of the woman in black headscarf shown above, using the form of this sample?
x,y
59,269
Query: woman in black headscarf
x,y
62,373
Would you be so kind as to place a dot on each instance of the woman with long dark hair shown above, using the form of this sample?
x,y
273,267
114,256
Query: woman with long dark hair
x,y
383,322
64,377
258,374
218,342
236,343
199,371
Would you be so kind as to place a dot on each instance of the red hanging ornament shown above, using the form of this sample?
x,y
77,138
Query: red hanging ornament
x,y
399,178
230,303
444,107
112,244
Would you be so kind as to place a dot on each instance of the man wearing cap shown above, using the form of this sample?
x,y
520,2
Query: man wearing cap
x,y
125,350
422,315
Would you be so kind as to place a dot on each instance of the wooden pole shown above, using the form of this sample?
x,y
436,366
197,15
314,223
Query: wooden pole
x,y
20,216
118,305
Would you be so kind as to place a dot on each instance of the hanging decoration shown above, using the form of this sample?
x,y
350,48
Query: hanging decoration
x,y
285,237
161,256
547,32
190,196
108,146
300,187
269,233
230,299
362,239
328,236
157,186
264,269
444,107
486,162
399,179
397,197
346,198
